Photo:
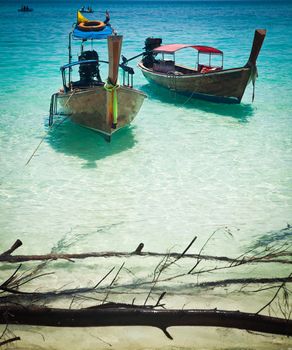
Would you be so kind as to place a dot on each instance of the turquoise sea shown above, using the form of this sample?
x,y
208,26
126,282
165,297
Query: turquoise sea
x,y
184,168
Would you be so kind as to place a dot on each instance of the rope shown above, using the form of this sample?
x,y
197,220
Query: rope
x,y
254,75
54,106
69,98
51,126
43,138
113,90
189,98
38,146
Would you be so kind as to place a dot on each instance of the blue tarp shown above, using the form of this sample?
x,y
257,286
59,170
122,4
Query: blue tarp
x,y
103,34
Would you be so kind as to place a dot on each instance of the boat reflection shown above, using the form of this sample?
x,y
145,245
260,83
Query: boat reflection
x,y
74,140
242,111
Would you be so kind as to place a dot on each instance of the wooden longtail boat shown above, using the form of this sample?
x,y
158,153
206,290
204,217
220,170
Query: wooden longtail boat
x,y
102,106
205,81
86,10
25,9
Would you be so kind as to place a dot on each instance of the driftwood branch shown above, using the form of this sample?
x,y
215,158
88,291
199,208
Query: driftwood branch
x,y
275,295
78,291
16,245
118,314
10,337
245,281
270,258
130,315
7,341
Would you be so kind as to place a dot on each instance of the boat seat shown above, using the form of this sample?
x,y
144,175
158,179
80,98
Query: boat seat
x,y
164,66
85,85
207,69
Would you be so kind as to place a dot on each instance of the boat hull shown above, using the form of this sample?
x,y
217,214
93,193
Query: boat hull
x,y
90,107
225,86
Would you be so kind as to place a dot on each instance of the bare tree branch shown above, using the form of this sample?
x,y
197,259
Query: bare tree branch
x,y
274,297
129,315
7,341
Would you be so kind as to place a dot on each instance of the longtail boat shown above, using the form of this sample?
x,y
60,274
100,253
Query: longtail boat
x,y
205,81
25,9
86,10
104,106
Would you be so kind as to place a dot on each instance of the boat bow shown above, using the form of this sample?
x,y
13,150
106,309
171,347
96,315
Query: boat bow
x,y
259,37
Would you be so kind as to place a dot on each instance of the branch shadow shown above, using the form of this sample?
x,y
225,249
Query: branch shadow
x,y
74,140
242,112
274,237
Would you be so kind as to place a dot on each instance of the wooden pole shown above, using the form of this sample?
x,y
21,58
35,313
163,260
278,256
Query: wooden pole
x,y
114,53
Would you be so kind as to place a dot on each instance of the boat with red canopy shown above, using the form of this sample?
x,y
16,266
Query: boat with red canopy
x,y
206,79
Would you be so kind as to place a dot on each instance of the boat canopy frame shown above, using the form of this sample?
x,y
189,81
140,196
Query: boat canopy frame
x,y
75,34
171,49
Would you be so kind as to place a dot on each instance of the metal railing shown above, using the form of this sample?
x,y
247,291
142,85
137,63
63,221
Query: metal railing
x,y
128,72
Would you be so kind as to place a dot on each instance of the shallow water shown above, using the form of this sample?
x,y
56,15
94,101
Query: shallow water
x,y
183,168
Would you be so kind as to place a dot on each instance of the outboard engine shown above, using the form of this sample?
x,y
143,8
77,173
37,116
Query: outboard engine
x,y
149,56
152,43
89,71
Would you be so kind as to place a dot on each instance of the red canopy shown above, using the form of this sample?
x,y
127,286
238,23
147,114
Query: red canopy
x,y
172,48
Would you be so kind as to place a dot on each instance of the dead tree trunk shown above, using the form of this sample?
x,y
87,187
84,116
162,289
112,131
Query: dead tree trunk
x,y
128,315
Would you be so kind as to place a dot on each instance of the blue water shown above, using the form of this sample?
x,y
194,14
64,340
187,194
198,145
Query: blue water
x,y
183,168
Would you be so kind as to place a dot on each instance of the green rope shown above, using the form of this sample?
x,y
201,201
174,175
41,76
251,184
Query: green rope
x,y
113,89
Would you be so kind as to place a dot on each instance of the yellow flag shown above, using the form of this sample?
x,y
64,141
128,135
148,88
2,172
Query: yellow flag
x,y
81,18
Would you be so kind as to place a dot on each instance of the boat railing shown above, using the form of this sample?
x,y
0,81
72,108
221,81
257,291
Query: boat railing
x,y
128,72
69,65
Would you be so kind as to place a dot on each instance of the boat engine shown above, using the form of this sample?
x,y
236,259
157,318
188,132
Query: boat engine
x,y
150,45
89,71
